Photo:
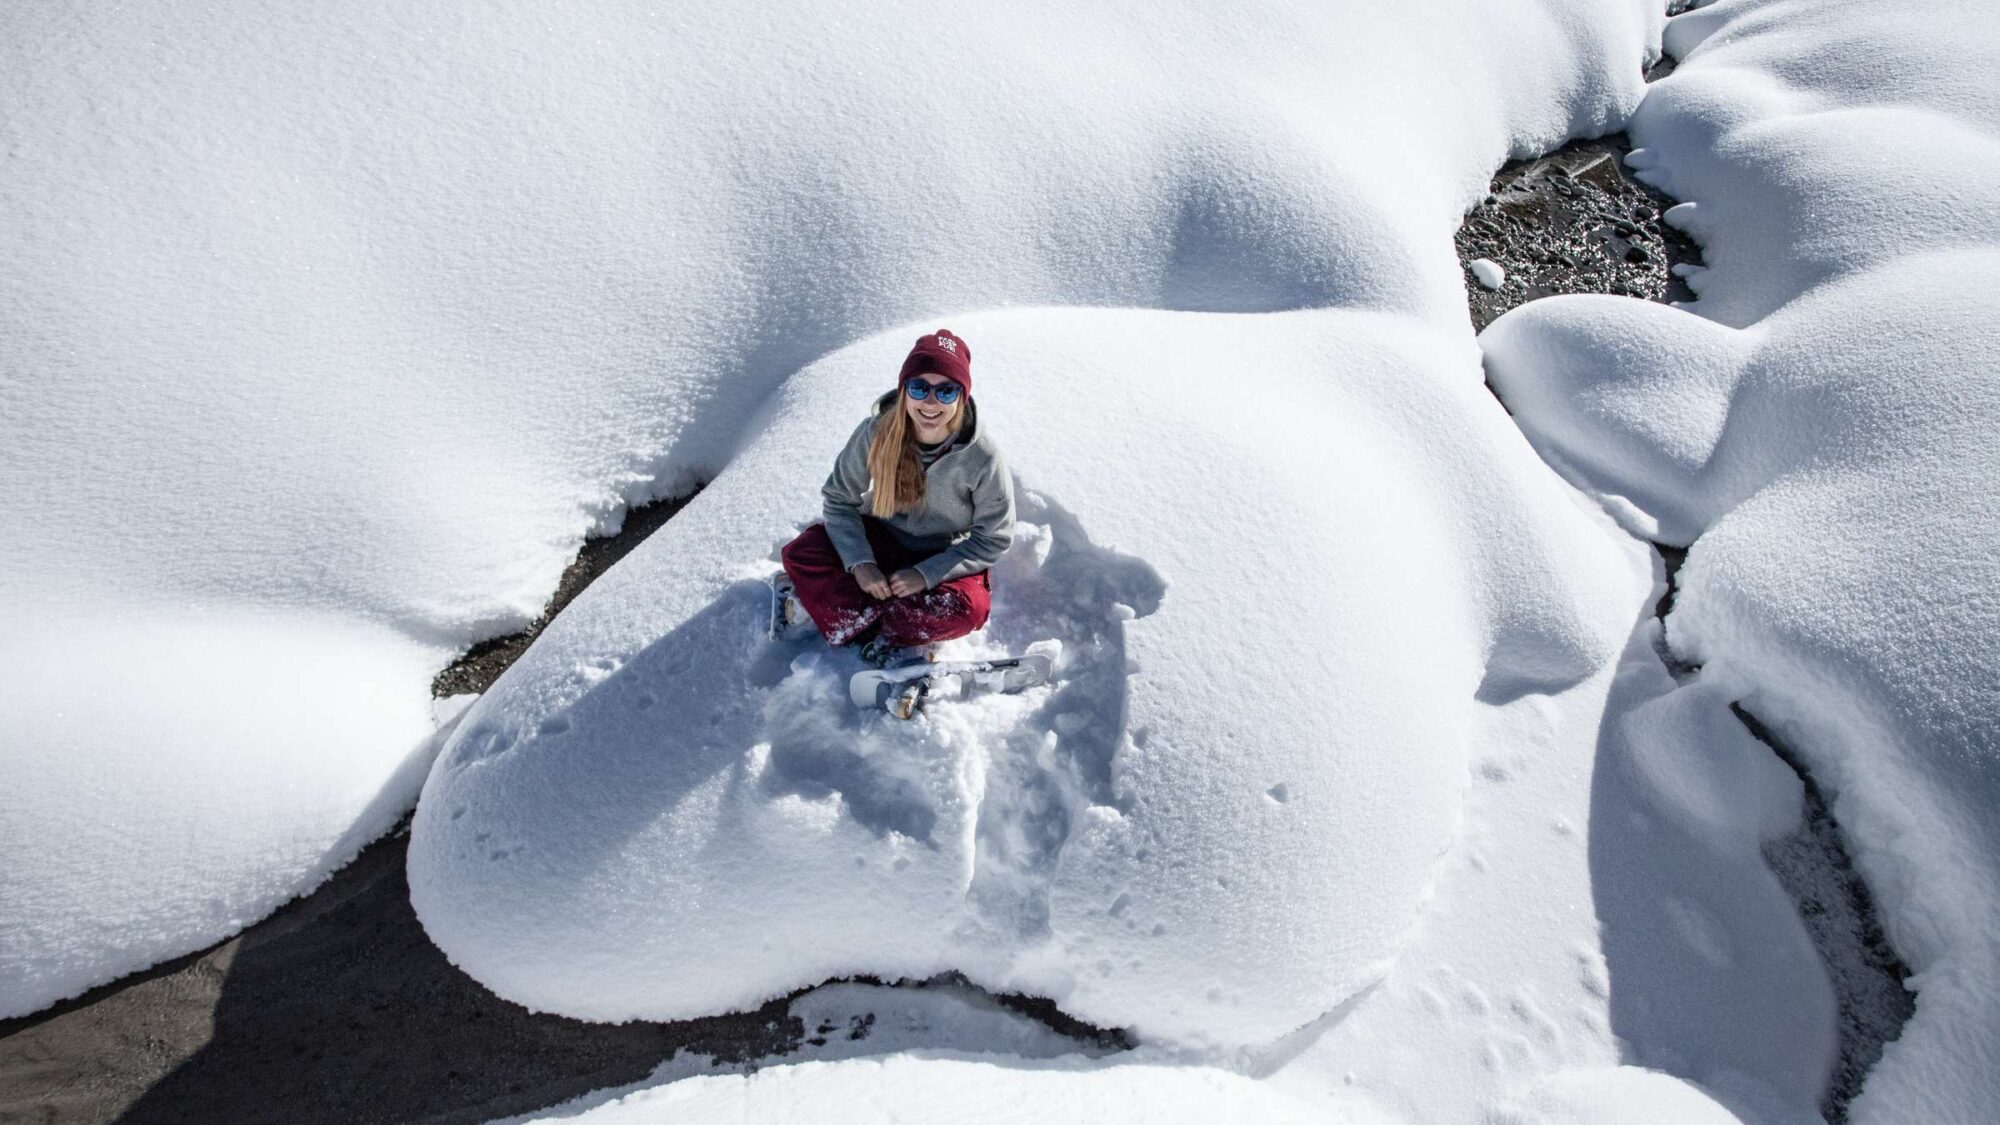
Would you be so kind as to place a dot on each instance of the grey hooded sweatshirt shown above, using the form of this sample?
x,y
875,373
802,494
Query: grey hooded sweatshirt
x,y
965,520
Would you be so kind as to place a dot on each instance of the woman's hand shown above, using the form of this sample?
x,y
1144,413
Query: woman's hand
x,y
872,582
906,582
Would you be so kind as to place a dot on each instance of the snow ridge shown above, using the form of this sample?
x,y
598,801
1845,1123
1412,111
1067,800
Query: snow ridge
x,y
1820,429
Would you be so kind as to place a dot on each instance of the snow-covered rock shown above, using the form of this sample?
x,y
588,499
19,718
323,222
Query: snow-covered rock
x,y
1490,273
1821,426
1279,614
338,328
119,745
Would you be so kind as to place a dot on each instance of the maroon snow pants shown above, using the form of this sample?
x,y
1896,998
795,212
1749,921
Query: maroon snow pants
x,y
844,611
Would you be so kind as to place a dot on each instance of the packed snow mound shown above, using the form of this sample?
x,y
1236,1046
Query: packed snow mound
x,y
1812,140
110,765
919,1089
1823,435
1605,902
943,1052
1278,617
369,317
1624,1095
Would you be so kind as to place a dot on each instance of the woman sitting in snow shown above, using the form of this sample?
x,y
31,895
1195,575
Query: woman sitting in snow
x,y
918,506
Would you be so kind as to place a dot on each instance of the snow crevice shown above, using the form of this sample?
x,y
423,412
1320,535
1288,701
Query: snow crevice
x,y
1870,981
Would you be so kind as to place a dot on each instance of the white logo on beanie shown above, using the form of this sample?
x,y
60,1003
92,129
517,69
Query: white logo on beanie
x,y
948,344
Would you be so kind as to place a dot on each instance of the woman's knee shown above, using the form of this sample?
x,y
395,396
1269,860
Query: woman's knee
x,y
977,595
942,614
808,549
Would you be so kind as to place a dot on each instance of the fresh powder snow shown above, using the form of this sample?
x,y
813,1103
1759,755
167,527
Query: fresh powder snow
x,y
1239,822
1219,823
1366,789
1820,426
340,328
910,1089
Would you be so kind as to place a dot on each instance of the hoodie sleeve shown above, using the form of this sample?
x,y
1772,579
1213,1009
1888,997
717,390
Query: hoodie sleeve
x,y
992,529
845,490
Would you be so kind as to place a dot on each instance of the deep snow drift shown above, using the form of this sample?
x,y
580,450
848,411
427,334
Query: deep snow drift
x,y
1218,824
918,1090
900,1090
331,334
1448,802
1823,433
337,329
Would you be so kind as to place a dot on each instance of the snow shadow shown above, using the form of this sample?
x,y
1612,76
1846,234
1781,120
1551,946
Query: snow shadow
x,y
1042,756
822,745
758,734
1247,237
1531,656
1044,770
340,1009
642,736
1696,934
941,1018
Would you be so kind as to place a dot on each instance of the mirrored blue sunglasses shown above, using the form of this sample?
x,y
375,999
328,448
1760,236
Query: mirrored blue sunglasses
x,y
946,393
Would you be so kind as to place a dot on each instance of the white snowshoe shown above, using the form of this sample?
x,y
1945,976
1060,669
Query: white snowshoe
x,y
902,691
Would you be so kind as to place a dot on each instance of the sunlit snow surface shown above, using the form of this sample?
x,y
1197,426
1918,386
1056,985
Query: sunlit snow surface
x,y
338,327
1275,612
1826,433
332,332
1445,801
906,1090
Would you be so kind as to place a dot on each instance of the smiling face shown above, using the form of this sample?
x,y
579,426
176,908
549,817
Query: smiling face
x,y
932,422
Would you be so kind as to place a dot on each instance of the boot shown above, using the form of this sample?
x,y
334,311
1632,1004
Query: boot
x,y
878,653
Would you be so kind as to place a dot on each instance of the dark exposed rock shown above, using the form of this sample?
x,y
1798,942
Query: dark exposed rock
x,y
1558,224
483,663
1870,983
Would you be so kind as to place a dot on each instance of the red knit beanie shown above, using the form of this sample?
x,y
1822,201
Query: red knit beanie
x,y
941,352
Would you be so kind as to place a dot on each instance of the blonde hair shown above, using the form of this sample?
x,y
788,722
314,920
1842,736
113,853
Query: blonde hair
x,y
893,467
